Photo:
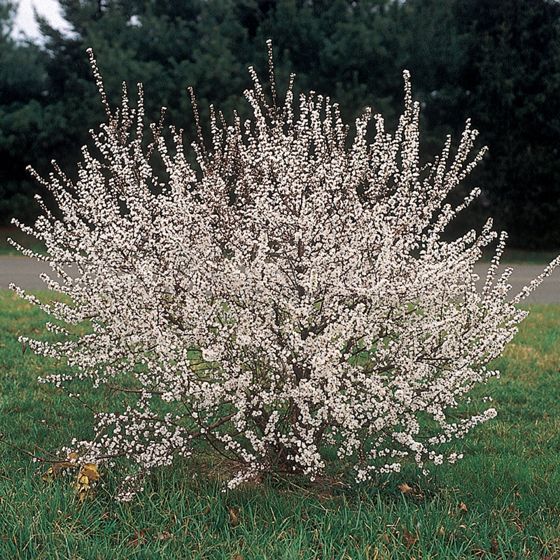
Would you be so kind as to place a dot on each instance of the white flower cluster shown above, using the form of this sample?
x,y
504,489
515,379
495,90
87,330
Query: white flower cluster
x,y
286,294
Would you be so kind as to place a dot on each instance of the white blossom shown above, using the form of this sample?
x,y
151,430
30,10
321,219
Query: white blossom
x,y
289,291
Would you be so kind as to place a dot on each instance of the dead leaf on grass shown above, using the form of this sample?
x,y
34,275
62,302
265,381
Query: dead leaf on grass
x,y
59,467
463,507
87,477
55,469
409,538
163,536
405,488
91,471
233,514
138,539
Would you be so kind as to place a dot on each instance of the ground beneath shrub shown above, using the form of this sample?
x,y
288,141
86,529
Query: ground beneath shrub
x,y
500,501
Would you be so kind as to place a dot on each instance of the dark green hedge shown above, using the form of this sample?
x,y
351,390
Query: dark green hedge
x,y
497,62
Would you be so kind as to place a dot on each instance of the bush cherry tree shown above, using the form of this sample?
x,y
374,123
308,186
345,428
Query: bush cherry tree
x,y
286,296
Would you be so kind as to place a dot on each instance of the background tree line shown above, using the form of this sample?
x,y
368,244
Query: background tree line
x,y
495,61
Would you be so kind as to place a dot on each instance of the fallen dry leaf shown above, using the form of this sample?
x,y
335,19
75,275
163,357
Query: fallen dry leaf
x,y
83,491
463,507
87,475
404,488
48,475
163,536
409,538
138,538
55,469
233,516
90,470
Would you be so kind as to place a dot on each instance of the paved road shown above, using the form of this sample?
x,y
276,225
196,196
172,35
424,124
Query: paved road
x,y
25,272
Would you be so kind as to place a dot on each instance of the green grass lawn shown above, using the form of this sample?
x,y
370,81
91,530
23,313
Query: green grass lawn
x,y
509,482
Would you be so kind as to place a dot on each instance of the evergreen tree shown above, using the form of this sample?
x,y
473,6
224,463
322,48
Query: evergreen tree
x,y
497,62
22,88
513,77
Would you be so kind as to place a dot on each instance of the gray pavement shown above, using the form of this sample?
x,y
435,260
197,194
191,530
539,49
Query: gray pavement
x,y
24,272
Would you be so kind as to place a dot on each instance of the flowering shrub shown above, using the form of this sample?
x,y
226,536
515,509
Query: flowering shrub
x,y
289,295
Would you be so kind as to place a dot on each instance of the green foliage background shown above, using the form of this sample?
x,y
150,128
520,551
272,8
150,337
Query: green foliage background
x,y
497,62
